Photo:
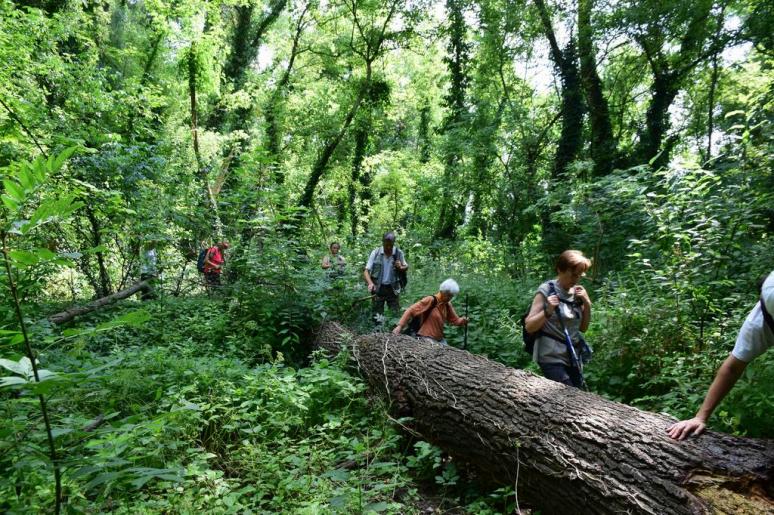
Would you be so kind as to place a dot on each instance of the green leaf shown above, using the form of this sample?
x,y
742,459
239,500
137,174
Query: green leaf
x,y
11,380
59,160
59,431
11,204
13,190
378,507
132,319
19,367
51,211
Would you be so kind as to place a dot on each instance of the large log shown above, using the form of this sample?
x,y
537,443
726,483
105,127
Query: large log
x,y
568,451
69,314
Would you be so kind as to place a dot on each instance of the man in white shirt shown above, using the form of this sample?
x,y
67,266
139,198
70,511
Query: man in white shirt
x,y
755,337
382,275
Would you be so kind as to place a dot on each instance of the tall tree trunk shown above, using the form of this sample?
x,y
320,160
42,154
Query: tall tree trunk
x,y
485,152
454,124
664,91
603,143
424,142
713,87
669,74
245,43
144,79
711,107
374,41
573,108
209,196
570,143
566,451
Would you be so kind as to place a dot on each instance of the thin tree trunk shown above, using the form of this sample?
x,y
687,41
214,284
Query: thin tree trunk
x,y
105,287
361,142
565,450
330,147
145,78
273,106
374,47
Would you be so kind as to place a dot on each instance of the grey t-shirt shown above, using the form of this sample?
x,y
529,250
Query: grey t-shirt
x,y
549,350
387,269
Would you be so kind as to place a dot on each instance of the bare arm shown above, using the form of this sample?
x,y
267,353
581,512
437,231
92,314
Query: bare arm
x,y
400,263
537,316
585,309
369,281
728,374
414,310
453,318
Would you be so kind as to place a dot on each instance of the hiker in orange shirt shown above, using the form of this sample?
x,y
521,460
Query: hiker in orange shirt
x,y
434,311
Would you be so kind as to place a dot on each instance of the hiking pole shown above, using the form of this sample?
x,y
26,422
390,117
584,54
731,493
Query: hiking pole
x,y
571,350
465,341
568,342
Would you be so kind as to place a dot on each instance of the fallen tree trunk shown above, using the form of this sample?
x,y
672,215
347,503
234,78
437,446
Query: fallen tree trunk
x,y
567,451
69,314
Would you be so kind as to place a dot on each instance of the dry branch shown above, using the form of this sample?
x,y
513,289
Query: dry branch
x,y
69,314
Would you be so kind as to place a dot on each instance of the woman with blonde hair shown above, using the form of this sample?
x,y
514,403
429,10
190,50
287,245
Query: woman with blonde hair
x,y
560,305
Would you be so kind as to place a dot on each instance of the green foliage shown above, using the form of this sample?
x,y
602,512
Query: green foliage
x,y
212,403
179,430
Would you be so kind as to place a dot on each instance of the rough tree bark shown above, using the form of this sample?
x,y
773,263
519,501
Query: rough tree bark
x,y
567,451
69,314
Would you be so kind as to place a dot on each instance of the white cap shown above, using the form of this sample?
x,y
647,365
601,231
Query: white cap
x,y
767,293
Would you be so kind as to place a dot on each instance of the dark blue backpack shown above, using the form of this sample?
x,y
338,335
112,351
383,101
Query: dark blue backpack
x,y
201,260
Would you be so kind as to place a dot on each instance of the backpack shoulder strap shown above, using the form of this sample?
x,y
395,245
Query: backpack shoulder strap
x,y
433,304
767,316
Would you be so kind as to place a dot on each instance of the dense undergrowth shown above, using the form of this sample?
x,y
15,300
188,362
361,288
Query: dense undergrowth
x,y
218,404
172,412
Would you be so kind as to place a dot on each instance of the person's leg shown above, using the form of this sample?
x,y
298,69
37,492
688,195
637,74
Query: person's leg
x,y
575,377
377,304
212,279
556,372
393,301
149,292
